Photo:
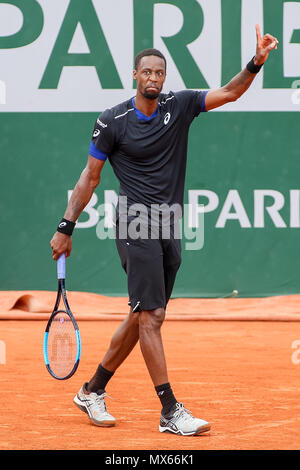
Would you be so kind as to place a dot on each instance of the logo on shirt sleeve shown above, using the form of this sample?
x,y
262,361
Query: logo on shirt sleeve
x,y
167,118
101,123
96,133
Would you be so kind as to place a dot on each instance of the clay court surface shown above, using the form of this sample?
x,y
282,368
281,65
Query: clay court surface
x,y
238,375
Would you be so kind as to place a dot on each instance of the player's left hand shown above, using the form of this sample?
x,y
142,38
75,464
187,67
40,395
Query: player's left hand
x,y
264,46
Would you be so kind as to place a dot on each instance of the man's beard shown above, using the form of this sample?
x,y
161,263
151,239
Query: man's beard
x,y
150,96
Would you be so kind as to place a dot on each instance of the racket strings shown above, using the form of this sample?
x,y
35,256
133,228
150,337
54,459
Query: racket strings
x,y
62,345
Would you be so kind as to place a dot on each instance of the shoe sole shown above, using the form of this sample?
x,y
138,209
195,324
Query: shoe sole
x,y
102,424
198,431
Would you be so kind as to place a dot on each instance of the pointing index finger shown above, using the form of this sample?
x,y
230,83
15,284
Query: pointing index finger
x,y
258,35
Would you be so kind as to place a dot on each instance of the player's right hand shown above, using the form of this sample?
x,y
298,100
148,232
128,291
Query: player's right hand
x,y
60,243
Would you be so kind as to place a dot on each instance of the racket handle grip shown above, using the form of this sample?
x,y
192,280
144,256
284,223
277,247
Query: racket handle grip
x,y
61,267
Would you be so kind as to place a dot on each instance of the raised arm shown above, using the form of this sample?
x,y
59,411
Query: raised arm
x,y
83,191
241,82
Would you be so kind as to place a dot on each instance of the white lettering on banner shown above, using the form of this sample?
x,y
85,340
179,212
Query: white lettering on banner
x,y
295,208
51,46
195,209
233,200
266,203
273,209
110,201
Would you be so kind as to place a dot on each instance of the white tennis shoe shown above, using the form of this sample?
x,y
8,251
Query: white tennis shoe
x,y
181,421
94,405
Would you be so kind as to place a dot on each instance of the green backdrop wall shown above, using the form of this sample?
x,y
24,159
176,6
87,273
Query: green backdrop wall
x,y
245,151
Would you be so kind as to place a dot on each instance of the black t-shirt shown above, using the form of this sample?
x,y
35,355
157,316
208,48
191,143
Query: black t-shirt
x,y
148,154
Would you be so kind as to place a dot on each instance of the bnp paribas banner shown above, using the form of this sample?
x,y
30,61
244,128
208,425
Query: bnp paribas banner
x,y
74,55
62,62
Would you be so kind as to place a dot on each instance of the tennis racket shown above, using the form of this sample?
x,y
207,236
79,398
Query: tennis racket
x,y
62,344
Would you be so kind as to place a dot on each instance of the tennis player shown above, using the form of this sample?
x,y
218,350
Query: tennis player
x,y
145,140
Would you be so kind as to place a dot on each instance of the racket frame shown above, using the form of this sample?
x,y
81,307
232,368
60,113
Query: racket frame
x,y
61,292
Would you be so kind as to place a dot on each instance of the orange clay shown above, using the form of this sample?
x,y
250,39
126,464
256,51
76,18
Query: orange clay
x,y
236,374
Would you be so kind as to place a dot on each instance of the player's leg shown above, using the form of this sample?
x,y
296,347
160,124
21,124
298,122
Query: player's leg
x,y
151,344
146,287
175,419
91,396
121,345
152,348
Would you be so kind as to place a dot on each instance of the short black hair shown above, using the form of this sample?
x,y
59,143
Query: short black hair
x,y
147,52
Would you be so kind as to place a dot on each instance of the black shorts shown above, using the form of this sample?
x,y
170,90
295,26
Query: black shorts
x,y
151,266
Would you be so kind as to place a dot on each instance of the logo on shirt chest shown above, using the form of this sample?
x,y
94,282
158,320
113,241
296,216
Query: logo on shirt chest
x,y
167,118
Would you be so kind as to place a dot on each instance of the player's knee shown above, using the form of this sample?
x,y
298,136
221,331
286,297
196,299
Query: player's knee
x,y
151,319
